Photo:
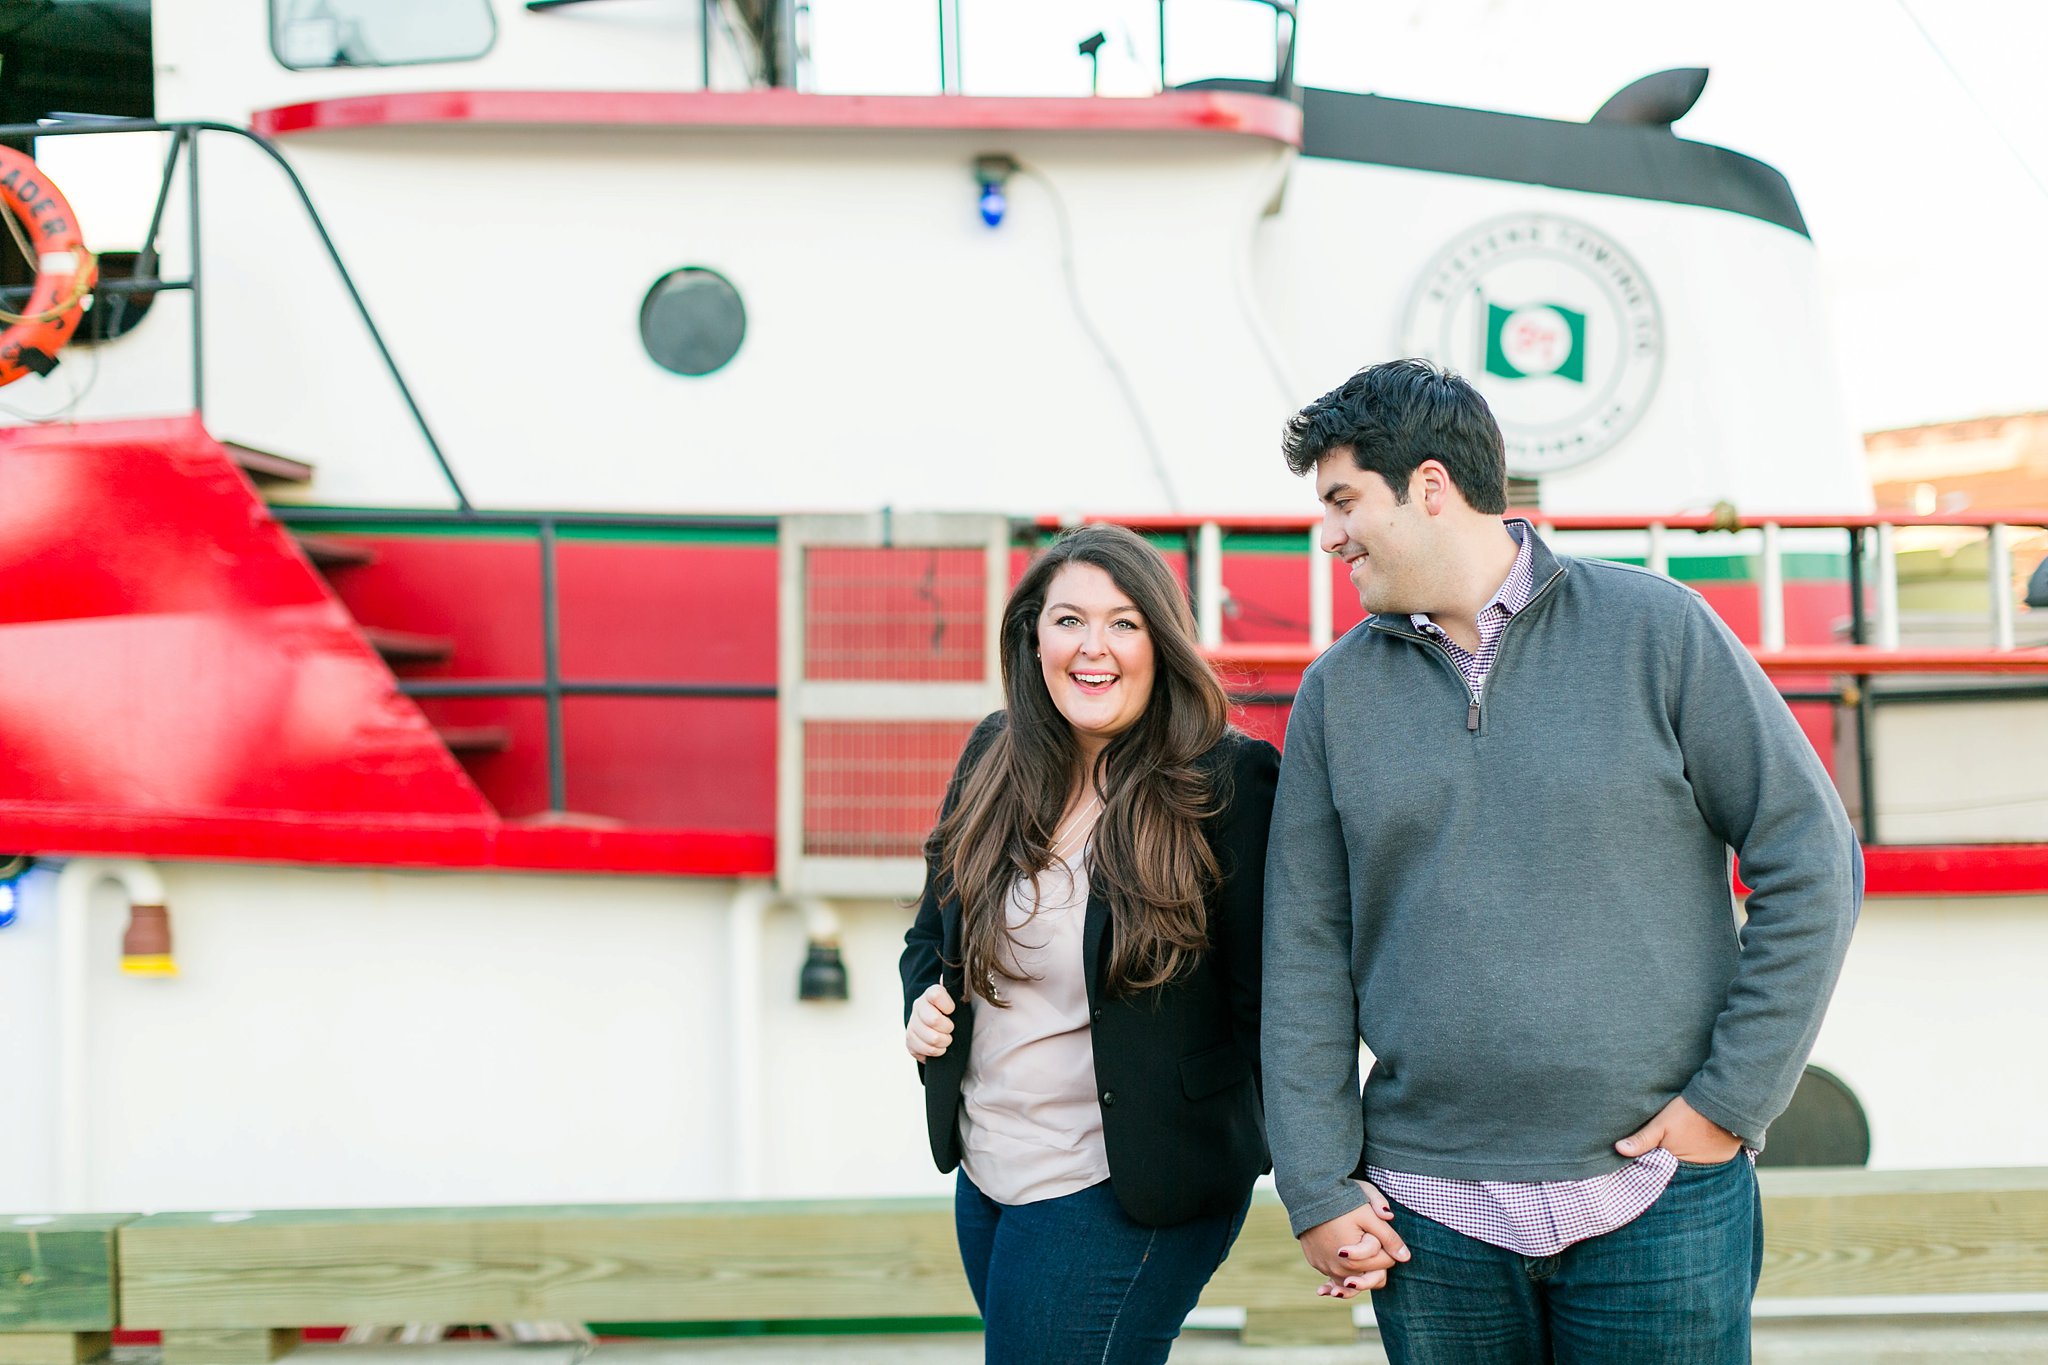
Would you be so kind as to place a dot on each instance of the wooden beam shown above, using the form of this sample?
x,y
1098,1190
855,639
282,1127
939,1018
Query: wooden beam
x,y
57,1273
622,1263
53,1348
1329,1323
1840,1233
228,1345
1828,1234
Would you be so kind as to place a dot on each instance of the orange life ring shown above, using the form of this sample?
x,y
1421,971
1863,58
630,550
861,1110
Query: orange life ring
x,y
65,270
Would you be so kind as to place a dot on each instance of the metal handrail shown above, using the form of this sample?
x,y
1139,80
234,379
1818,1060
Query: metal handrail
x,y
550,687
1874,647
185,138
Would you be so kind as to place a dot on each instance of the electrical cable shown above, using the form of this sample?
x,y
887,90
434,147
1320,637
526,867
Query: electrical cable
x,y
1262,337
1101,343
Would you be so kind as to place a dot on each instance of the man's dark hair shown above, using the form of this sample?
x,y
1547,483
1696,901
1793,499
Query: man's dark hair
x,y
1397,414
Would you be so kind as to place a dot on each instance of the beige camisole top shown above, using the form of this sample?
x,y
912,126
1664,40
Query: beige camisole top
x,y
1030,1123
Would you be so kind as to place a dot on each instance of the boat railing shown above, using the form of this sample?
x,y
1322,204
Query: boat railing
x,y
1872,626
185,138
551,687
1260,672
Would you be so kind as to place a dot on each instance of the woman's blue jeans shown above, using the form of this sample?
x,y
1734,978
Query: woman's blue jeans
x,y
1073,1280
1673,1287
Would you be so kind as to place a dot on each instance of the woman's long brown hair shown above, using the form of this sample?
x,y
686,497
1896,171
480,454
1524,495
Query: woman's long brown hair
x,y
1148,858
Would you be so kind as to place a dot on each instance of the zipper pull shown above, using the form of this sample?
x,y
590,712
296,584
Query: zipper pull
x,y
1472,716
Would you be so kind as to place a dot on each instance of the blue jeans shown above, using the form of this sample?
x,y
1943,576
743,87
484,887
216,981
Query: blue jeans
x,y
1674,1286
1072,1280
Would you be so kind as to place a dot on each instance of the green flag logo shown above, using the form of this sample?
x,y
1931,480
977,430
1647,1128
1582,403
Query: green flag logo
x,y
1545,338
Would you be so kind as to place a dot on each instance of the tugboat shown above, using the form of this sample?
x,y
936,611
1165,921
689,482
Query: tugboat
x,y
508,546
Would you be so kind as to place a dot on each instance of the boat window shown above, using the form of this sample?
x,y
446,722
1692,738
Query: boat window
x,y
314,35
692,321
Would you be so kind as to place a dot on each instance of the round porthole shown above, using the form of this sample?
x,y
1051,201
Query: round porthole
x,y
692,321
1824,1126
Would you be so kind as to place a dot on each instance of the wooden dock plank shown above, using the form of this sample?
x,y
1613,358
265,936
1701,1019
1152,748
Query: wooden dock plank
x,y
1829,1234
57,1273
1847,1233
228,1345
646,1263
53,1348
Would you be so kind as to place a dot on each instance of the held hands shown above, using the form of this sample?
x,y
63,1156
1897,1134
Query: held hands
x,y
1684,1132
1355,1249
931,1024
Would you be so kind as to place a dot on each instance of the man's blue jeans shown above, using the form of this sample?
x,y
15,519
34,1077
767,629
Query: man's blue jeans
x,y
1673,1287
1073,1279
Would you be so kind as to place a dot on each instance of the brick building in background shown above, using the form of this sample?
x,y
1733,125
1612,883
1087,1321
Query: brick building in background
x,y
1980,464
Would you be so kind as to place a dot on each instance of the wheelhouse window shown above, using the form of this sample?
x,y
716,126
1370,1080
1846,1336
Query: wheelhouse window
x,y
314,35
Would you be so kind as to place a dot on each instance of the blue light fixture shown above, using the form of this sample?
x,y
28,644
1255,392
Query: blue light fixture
x,y
992,173
12,870
993,202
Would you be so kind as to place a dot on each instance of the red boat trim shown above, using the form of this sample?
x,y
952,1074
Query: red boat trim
x,y
1857,660
1567,521
1971,870
1179,112
1895,870
417,843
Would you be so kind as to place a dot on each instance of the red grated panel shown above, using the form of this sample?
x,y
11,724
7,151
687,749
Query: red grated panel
x,y
895,615
872,788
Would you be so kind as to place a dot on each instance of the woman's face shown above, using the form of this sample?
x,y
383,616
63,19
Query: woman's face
x,y
1096,652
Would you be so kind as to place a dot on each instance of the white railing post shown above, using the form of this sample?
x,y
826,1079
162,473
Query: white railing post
x,y
1319,627
1659,558
1886,572
1207,573
1998,568
1771,606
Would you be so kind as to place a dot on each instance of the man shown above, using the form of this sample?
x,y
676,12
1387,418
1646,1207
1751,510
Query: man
x,y
1500,856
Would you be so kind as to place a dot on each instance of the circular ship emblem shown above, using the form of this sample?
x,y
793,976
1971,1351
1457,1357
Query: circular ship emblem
x,y
1554,323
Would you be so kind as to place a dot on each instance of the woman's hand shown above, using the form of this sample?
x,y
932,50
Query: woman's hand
x,y
931,1024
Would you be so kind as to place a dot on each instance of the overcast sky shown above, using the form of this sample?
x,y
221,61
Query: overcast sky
x,y
1932,233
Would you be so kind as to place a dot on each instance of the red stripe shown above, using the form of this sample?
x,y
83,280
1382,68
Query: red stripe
x,y
1702,521
1952,870
1969,870
1179,112
1280,656
365,842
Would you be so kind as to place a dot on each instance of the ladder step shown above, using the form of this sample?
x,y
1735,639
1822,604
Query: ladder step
x,y
401,646
267,467
329,553
475,739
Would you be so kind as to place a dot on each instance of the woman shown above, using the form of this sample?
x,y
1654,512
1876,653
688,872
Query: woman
x,y
1082,980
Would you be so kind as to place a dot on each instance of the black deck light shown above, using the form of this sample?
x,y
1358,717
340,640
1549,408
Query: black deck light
x,y
824,973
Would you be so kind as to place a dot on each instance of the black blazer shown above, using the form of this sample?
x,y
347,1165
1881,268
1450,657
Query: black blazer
x,y
1176,1067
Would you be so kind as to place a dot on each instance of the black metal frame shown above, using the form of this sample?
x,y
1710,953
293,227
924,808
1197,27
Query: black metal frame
x,y
185,138
1856,692
1283,51
551,687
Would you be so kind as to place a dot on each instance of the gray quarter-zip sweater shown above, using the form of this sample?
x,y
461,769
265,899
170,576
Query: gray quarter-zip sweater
x,y
1522,902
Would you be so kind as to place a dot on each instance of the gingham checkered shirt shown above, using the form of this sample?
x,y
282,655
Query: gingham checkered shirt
x,y
1533,1218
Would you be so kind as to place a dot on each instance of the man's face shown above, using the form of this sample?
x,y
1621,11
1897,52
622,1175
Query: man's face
x,y
1384,542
